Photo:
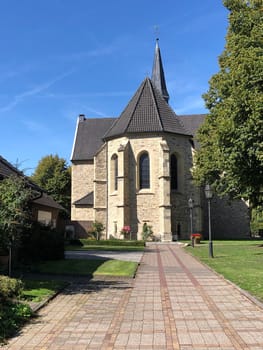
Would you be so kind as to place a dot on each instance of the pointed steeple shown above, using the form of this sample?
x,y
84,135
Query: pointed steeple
x,y
158,78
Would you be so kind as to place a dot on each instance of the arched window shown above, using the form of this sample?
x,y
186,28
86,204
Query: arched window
x,y
144,171
174,172
114,172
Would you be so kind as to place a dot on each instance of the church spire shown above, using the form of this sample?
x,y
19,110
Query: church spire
x,y
158,78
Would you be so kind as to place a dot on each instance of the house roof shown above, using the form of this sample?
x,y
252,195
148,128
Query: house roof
x,y
7,169
89,137
47,201
146,112
86,200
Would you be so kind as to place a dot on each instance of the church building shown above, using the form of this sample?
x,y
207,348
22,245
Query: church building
x,y
137,169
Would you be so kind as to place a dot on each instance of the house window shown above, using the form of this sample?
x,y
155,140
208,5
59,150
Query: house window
x,y
114,172
174,172
44,217
144,171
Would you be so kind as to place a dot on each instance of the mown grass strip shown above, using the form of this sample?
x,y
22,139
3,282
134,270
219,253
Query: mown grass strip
x,y
37,291
117,268
238,261
87,267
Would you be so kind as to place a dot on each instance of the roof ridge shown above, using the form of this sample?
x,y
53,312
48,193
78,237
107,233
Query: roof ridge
x,y
113,124
138,99
11,166
155,104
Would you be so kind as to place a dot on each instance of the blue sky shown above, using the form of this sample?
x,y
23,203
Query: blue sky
x,y
62,58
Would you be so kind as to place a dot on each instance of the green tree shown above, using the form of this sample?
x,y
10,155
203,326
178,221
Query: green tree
x,y
231,139
53,175
14,209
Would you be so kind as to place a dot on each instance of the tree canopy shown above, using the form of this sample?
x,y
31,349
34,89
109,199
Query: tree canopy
x,y
53,175
231,138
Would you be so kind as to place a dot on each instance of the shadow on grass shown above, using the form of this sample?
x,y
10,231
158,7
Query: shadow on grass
x,y
81,267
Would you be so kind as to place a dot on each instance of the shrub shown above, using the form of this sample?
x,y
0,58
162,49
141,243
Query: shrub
x,y
10,287
147,232
12,316
91,235
75,242
14,209
112,242
97,229
41,243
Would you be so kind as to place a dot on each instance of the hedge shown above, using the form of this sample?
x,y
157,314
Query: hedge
x,y
113,242
41,243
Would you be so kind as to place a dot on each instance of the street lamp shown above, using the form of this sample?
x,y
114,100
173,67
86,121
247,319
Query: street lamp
x,y
191,205
209,195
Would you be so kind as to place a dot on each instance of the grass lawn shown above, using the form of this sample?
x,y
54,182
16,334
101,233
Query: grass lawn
x,y
39,290
238,261
117,268
88,267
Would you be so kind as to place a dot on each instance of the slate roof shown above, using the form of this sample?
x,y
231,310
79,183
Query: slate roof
x,y
90,133
192,124
86,200
146,112
89,137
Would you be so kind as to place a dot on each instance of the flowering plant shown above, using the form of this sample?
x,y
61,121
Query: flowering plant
x,y
126,230
196,238
196,235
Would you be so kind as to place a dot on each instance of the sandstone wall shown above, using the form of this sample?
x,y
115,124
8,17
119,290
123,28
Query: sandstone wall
x,y
181,146
100,187
82,184
132,206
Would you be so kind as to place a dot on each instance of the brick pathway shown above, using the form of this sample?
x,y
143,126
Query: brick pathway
x,y
174,303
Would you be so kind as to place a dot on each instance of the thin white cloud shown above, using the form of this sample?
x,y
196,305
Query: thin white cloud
x,y
192,104
34,126
73,112
32,92
95,112
76,56
86,95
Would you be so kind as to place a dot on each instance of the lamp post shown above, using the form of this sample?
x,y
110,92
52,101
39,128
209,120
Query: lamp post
x,y
191,205
209,195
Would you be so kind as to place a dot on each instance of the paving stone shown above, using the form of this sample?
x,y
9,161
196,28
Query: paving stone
x,y
174,302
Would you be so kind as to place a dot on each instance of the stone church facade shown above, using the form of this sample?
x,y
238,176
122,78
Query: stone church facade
x,y
137,169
